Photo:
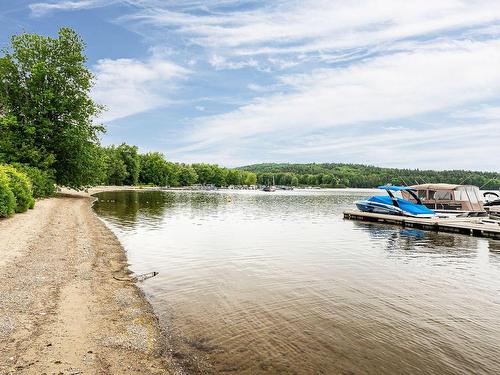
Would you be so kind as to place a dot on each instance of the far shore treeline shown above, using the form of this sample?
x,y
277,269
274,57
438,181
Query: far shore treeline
x,y
339,175
49,135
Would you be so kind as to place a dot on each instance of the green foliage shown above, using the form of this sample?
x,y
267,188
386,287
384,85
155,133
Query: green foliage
x,y
219,175
42,182
158,171
154,169
187,175
364,176
131,159
250,178
20,185
46,109
234,177
205,173
115,169
237,177
172,171
7,141
7,198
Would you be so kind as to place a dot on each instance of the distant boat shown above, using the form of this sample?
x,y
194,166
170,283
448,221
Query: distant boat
x,y
270,188
392,205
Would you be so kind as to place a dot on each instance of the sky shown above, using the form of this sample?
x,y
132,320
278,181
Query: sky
x,y
413,84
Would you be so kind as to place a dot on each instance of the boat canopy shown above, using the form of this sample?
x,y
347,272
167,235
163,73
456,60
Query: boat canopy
x,y
439,186
450,197
395,188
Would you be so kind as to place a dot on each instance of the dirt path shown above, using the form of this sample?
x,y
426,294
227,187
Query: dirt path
x,y
61,311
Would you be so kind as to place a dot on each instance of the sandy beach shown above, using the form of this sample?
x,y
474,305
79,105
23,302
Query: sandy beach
x,y
61,310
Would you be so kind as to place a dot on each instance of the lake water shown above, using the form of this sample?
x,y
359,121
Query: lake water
x,y
280,283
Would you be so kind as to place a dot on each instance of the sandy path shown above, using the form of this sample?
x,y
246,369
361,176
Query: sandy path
x,y
61,311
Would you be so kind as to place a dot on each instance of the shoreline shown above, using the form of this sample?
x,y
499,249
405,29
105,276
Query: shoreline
x,y
61,310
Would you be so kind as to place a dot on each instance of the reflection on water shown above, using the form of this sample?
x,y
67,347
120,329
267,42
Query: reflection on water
x,y
259,283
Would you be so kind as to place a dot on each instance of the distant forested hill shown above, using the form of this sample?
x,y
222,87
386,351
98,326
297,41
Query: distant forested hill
x,y
363,176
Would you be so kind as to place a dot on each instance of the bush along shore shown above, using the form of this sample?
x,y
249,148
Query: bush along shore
x,y
19,186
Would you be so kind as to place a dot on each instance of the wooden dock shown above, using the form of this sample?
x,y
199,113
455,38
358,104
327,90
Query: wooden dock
x,y
478,227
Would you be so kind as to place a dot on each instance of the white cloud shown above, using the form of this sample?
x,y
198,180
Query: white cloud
x,y
41,9
128,86
390,87
485,112
220,62
320,26
260,88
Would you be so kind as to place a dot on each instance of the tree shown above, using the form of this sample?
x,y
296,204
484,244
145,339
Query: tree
x,y
249,178
7,141
187,175
45,96
154,169
219,175
116,169
131,160
234,177
173,171
205,173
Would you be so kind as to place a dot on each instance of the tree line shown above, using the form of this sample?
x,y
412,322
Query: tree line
x,y
337,175
124,165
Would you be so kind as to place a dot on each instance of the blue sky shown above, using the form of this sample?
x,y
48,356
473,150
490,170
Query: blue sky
x,y
393,83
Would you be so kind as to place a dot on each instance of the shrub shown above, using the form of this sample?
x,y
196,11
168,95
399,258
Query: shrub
x,y
7,198
20,185
43,182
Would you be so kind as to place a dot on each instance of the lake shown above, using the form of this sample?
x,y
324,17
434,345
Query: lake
x,y
279,283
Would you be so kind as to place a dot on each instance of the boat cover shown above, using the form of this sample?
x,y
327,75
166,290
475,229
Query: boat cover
x,y
406,206
395,188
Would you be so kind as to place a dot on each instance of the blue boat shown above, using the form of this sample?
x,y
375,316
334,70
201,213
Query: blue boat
x,y
392,205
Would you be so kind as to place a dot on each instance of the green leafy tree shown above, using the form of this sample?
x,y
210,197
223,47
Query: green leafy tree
x,y
46,109
187,175
43,182
7,140
116,170
154,169
234,177
173,171
219,175
250,178
205,173
131,160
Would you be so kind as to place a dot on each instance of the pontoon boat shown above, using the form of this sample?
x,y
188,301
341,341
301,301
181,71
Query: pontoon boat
x,y
449,198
